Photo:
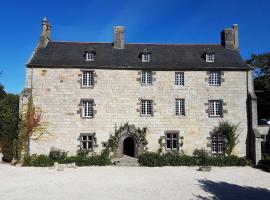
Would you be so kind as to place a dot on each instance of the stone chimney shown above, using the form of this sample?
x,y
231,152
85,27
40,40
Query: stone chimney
x,y
119,42
229,38
45,34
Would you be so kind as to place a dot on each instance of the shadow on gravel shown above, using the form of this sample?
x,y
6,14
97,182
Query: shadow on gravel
x,y
228,191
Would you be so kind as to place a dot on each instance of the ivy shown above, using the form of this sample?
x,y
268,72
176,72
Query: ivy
x,y
113,141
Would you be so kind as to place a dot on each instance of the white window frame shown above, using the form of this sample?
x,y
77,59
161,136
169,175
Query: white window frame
x,y
217,144
87,78
90,56
87,141
171,139
179,78
146,107
215,108
210,57
180,109
87,108
146,77
146,57
215,78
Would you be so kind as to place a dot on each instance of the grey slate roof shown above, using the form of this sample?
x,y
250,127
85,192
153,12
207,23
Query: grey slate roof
x,y
163,56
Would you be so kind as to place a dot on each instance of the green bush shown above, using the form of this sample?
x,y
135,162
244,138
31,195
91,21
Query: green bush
x,y
57,154
176,159
38,161
265,164
47,161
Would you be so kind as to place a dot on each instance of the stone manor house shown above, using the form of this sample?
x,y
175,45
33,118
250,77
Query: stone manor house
x,y
179,92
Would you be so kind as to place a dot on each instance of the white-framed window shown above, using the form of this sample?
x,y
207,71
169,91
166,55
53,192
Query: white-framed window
x,y
87,108
179,78
146,77
217,144
146,57
215,108
214,78
172,142
88,78
210,57
90,56
146,107
86,141
180,107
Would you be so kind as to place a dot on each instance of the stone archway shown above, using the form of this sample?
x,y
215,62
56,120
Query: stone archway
x,y
129,143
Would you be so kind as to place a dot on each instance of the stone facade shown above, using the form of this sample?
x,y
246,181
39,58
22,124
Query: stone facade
x,y
117,94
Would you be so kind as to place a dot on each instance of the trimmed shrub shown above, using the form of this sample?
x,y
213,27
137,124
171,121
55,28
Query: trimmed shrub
x,y
57,154
176,159
40,161
265,164
47,161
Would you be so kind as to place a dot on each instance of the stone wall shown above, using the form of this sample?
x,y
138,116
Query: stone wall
x,y
116,96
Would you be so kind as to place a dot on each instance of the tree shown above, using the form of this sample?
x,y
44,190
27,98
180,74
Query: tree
x,y
261,64
9,115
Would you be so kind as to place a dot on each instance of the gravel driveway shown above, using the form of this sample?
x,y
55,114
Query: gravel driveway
x,y
124,183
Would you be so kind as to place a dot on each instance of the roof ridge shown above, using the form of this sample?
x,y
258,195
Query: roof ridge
x,y
176,44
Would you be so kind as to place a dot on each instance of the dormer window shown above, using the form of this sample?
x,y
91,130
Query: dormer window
x,y
146,55
90,56
210,57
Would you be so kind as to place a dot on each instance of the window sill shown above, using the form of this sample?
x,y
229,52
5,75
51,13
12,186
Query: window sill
x,y
146,116
214,84
181,116
146,84
215,116
87,87
87,117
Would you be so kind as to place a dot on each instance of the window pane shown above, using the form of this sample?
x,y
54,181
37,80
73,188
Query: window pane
x,y
214,78
84,145
180,107
84,137
146,77
87,108
174,144
168,144
179,78
90,145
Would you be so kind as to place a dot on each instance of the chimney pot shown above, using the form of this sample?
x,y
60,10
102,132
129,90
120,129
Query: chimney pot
x,y
119,42
45,34
229,38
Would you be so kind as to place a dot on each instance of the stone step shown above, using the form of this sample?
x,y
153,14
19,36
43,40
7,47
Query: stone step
x,y
126,161
127,164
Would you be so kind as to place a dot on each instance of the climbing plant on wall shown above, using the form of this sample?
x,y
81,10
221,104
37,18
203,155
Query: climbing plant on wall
x,y
113,141
30,127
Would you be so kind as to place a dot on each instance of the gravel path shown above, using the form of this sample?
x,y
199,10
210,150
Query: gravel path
x,y
124,183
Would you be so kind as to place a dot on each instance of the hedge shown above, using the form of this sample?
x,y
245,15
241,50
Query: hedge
x,y
176,159
47,161
265,164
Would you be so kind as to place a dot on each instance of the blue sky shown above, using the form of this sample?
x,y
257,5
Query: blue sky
x,y
149,21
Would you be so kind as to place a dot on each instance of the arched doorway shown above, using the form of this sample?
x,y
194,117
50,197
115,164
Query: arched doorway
x,y
129,146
